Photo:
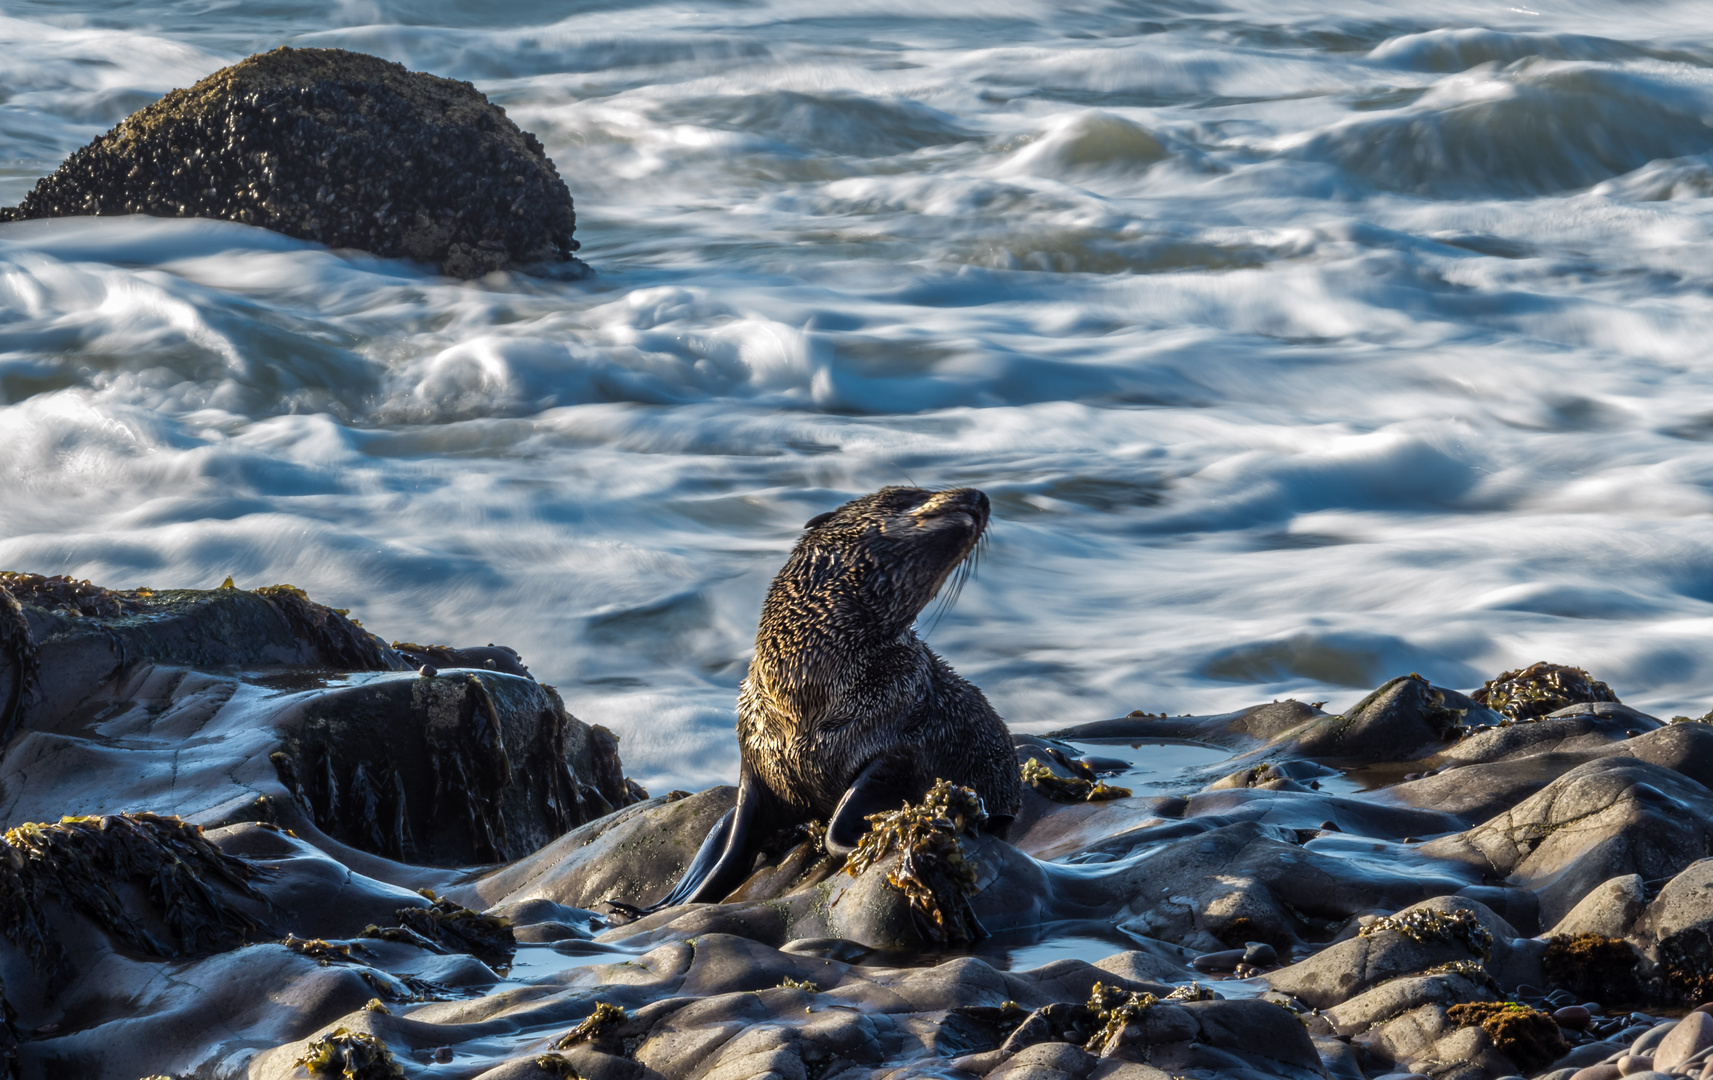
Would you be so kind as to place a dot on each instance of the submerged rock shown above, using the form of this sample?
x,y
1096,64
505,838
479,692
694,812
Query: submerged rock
x,y
338,147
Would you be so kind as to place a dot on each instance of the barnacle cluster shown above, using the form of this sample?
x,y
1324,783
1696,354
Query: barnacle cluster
x,y
1459,927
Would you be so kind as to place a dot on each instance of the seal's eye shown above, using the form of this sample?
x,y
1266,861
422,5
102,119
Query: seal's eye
x,y
819,519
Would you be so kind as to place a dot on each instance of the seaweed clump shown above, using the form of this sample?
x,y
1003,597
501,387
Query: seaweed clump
x,y
595,1028
1539,689
68,596
1426,925
18,649
445,926
1684,961
931,871
337,147
1114,1009
1070,789
1593,967
85,863
353,1055
557,1065
1529,1037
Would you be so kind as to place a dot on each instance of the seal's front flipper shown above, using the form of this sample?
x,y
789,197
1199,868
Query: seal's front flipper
x,y
884,784
722,862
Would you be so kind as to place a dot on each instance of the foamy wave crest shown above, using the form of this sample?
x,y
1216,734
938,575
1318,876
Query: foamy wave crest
x,y
1462,49
1545,128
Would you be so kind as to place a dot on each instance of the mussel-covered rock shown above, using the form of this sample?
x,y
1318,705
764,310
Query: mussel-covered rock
x,y
338,147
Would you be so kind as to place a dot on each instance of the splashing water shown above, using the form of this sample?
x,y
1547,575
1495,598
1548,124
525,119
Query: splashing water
x,y
1295,350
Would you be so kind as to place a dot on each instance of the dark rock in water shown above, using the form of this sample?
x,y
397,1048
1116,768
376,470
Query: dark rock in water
x,y
1394,723
337,147
264,705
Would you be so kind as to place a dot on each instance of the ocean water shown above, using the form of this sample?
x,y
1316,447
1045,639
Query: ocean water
x,y
1298,345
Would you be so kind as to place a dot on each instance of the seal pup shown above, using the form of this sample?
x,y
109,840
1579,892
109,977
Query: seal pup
x,y
845,712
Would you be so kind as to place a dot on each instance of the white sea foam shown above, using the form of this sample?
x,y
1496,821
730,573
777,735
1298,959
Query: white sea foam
x,y
1296,350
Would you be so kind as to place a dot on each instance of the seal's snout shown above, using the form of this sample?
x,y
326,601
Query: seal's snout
x,y
962,502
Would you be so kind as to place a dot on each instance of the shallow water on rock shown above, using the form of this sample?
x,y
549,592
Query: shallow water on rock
x,y
1296,347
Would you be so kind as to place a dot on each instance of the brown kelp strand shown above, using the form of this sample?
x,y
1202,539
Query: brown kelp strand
x,y
352,1055
87,862
931,869
1114,1009
1068,789
595,1029
448,927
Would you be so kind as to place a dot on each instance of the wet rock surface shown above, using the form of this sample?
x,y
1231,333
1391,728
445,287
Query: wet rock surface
x,y
296,849
338,147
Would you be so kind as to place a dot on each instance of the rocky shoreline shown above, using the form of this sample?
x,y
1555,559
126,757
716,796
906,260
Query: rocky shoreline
x,y
249,838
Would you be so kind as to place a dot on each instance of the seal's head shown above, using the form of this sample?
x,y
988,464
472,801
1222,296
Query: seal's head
x,y
884,556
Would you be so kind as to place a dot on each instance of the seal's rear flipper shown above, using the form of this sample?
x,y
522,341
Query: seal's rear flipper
x,y
723,860
884,784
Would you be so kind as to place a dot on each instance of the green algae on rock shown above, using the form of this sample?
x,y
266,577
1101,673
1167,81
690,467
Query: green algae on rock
x,y
100,865
338,147
1539,689
932,871
1527,1036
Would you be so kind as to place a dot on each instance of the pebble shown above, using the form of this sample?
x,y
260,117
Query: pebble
x,y
1630,1064
1260,954
1574,1017
1225,960
428,671
1603,1071
1691,1036
442,1054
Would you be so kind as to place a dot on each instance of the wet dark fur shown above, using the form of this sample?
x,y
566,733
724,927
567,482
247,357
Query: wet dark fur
x,y
840,678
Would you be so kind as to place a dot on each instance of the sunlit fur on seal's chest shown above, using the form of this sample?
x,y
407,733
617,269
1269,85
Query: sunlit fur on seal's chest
x,y
845,712
840,682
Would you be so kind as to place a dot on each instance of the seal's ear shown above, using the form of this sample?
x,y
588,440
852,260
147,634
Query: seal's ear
x,y
819,519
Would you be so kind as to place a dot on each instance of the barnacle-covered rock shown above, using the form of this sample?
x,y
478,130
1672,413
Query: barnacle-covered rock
x,y
338,147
